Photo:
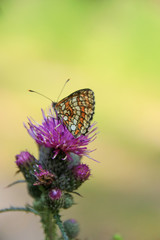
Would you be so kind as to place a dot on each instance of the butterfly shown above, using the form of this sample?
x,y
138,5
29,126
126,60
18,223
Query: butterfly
x,y
76,111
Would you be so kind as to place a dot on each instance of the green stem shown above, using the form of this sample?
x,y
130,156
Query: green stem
x,y
61,227
49,225
21,209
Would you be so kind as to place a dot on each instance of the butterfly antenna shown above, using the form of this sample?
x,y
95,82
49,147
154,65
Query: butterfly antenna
x,y
63,88
41,95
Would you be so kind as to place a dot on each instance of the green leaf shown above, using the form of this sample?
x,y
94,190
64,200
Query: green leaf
x,y
26,209
18,181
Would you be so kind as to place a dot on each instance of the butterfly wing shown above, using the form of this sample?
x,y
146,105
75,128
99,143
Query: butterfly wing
x,y
76,111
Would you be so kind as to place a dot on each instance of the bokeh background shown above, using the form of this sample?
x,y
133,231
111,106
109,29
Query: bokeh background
x,y
112,47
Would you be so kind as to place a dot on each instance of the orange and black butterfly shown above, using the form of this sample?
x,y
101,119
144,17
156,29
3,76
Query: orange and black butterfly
x,y
76,111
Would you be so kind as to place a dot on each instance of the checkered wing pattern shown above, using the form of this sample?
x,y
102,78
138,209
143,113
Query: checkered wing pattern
x,y
76,111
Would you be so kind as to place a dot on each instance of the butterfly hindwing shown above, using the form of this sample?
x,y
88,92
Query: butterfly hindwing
x,y
76,111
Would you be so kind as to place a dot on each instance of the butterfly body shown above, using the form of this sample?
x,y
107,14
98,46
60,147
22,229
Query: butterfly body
x,y
76,111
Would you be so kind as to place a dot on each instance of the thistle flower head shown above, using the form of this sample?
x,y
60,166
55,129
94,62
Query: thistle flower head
x,y
24,159
52,133
81,172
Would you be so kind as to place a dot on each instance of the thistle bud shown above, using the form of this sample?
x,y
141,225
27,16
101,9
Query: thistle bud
x,y
71,227
81,172
55,194
56,199
24,159
68,200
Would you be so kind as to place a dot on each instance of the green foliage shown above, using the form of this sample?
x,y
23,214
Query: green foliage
x,y
117,237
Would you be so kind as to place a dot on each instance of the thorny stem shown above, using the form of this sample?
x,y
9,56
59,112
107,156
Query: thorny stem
x,y
60,225
21,209
47,220
49,225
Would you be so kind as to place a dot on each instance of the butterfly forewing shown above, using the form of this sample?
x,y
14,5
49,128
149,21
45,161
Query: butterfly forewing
x,y
76,111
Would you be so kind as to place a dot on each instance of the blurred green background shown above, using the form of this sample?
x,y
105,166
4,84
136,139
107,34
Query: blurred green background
x,y
112,47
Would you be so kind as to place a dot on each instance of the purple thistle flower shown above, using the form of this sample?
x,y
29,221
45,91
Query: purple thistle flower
x,y
55,194
24,159
52,133
81,172
44,177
